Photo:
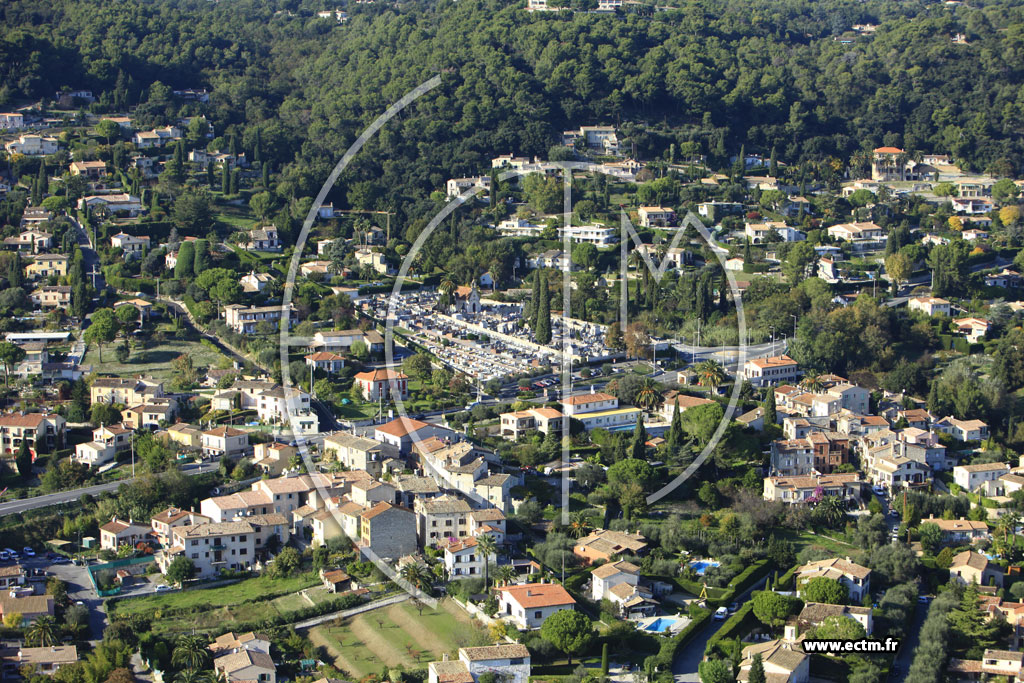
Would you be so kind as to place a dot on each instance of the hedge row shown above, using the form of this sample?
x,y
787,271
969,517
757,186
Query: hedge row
x,y
736,626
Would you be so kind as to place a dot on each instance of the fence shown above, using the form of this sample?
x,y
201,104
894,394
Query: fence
x,y
114,565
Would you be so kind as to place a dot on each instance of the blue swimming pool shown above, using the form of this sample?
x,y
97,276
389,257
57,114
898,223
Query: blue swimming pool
x,y
661,624
701,566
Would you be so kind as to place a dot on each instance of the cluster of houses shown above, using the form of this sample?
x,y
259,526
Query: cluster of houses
x,y
826,425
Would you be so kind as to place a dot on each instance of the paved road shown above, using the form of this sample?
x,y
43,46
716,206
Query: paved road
x,y
13,506
905,655
684,666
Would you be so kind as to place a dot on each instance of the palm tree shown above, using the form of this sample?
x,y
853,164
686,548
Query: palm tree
x,y
197,676
832,510
413,574
190,653
649,396
813,383
505,574
44,632
447,285
710,374
580,525
487,546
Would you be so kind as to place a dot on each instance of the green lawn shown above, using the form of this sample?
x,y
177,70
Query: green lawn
x,y
208,608
154,360
396,636
236,220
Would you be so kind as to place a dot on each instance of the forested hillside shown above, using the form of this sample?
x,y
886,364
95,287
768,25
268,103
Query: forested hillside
x,y
710,77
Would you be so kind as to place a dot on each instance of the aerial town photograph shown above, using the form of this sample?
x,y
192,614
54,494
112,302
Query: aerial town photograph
x,y
512,341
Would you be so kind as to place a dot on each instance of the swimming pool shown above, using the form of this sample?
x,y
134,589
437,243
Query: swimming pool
x,y
701,566
661,624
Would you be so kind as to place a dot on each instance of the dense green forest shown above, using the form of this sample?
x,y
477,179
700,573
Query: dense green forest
x,y
711,77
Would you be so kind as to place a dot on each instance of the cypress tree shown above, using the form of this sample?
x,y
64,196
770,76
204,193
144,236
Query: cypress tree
x,y
225,179
534,306
201,261
723,296
233,146
234,182
44,183
257,147
756,674
604,659
266,176
210,176
769,407
543,329
638,449
186,260
773,165
675,430
179,154
746,252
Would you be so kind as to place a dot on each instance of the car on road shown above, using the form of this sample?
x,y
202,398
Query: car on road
x,y
879,491
923,599
60,559
721,613
28,552
163,587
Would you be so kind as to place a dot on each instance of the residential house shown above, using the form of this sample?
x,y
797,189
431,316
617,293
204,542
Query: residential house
x,y
246,665
131,246
12,121
32,240
163,522
975,329
812,487
606,577
150,415
41,661
125,391
158,137
358,453
88,169
929,305
245,320
960,531
456,186
264,239
49,297
606,545
770,370
225,442
116,203
520,422
47,265
30,607
403,432
528,605
963,430
972,567
273,458
94,453
118,532
854,577
32,145
42,431
783,662
893,471
1006,278
971,477
442,519
388,530
463,558
814,614
325,361
852,232
656,216
253,283
211,547
890,164
11,575
381,383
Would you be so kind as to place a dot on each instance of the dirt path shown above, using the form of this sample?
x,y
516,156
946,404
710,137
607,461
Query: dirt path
x,y
376,641
340,661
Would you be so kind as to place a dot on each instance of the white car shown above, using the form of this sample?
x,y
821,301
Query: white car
x,y
163,587
721,613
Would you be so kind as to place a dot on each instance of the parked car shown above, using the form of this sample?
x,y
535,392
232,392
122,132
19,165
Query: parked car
x,y
163,587
28,552
721,613
4,556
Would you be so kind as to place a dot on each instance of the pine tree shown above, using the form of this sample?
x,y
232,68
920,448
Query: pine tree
x,y
543,329
225,178
770,416
638,448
